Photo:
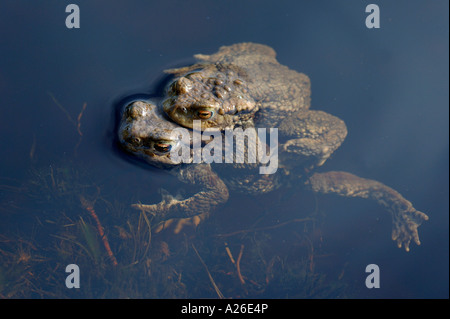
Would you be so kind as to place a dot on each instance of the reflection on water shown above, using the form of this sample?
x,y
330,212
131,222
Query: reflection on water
x,y
62,181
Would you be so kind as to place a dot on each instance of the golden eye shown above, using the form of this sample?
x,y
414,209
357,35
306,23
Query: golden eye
x,y
163,147
204,114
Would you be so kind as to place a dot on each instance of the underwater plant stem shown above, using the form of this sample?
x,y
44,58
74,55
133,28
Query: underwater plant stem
x,y
243,231
238,265
76,123
62,108
218,292
79,127
229,254
88,206
79,119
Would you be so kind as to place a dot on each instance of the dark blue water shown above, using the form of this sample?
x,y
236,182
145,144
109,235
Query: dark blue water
x,y
389,85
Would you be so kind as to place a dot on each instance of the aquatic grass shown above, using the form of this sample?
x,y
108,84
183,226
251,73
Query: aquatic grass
x,y
62,230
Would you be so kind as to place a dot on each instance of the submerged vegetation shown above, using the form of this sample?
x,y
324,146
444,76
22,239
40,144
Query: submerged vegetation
x,y
60,217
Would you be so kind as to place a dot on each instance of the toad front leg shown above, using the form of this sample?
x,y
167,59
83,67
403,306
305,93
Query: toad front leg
x,y
406,219
197,207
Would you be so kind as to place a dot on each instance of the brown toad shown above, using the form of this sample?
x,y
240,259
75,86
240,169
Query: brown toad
x,y
145,132
228,87
244,85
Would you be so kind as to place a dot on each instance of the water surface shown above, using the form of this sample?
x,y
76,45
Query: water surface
x,y
389,85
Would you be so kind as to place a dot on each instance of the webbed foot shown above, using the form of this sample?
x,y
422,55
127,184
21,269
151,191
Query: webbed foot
x,y
176,225
163,207
405,224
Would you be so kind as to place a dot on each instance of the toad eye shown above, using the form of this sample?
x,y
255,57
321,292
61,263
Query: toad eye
x,y
205,114
163,147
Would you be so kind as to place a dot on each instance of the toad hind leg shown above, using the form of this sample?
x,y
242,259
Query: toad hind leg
x,y
312,135
406,219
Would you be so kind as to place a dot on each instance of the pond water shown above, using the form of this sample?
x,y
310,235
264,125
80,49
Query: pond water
x,y
60,89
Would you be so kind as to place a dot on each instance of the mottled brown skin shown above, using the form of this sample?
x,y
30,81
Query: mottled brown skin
x,y
219,99
406,219
260,93
145,133
250,78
